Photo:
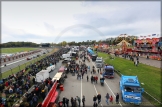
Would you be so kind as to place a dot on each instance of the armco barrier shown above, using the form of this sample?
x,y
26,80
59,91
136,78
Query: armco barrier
x,y
52,93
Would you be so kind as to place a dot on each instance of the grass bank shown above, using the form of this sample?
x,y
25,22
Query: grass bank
x,y
150,76
15,50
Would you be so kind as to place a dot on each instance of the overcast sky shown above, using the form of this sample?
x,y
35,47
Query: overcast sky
x,y
43,22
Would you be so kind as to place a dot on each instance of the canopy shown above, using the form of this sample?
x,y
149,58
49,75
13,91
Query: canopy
x,y
57,76
123,41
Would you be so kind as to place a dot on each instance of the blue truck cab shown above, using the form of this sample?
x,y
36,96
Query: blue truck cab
x,y
108,71
131,90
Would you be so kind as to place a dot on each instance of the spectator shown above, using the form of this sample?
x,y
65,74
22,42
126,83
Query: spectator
x,y
107,98
117,98
83,101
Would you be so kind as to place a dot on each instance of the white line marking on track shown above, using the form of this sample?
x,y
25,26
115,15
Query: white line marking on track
x,y
108,86
81,91
13,62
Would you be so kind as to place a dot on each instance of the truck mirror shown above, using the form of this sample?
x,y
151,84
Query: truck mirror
x,y
142,90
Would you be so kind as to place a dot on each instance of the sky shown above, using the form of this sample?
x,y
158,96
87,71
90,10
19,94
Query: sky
x,y
54,21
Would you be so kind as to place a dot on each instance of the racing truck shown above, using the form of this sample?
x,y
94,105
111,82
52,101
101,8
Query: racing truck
x,y
108,71
131,90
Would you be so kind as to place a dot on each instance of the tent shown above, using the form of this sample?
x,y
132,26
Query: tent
x,y
123,41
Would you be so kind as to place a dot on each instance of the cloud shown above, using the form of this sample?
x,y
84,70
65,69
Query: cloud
x,y
49,28
78,21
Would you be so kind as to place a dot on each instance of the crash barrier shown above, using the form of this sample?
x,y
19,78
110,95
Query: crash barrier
x,y
51,97
17,56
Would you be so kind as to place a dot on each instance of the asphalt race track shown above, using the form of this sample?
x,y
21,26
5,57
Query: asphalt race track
x,y
20,61
74,87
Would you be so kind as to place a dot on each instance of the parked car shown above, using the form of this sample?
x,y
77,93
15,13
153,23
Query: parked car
x,y
29,58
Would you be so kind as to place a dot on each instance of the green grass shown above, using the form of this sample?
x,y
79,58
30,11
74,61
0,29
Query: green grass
x,y
14,50
150,76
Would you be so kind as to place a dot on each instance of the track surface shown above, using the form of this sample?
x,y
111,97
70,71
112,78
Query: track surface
x,y
74,87
20,61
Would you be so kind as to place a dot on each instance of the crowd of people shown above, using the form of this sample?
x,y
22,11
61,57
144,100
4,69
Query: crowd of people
x,y
15,88
81,69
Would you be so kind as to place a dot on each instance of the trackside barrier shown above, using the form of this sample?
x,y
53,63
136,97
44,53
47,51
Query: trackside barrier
x,y
144,91
51,96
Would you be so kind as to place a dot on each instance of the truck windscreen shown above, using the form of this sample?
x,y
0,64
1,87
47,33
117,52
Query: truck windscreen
x,y
99,61
132,89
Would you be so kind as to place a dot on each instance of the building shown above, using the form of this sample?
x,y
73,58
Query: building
x,y
148,46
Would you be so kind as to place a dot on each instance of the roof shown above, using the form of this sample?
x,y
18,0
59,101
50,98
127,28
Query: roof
x,y
57,76
130,80
109,67
124,42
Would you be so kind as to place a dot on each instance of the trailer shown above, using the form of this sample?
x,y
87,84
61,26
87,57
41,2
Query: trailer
x,y
131,89
42,75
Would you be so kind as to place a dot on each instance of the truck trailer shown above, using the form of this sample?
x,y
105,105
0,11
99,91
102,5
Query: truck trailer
x,y
42,75
131,90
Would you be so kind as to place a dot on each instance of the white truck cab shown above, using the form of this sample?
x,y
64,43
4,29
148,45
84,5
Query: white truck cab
x,y
99,62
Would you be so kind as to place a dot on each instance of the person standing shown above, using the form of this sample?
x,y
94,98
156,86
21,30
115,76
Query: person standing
x,y
64,101
91,79
67,102
99,98
83,101
94,99
87,78
117,98
98,71
107,98
111,99
78,100
95,105
72,102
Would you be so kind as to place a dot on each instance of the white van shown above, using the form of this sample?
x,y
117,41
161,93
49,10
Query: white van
x,y
64,56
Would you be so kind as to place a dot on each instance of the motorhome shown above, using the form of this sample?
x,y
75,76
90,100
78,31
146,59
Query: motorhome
x,y
42,76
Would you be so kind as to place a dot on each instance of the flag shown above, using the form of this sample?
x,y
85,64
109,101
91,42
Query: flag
x,y
149,35
153,34
141,36
157,34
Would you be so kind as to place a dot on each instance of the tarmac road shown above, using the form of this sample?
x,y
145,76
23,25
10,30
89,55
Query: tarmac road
x,y
20,61
74,87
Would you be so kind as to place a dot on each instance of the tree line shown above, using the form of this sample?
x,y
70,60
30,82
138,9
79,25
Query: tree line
x,y
19,44
109,41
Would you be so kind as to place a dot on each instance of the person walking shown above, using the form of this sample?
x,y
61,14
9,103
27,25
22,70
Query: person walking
x,y
83,101
72,102
78,100
107,98
64,101
91,79
117,98
95,105
94,99
67,102
111,99
87,78
99,98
